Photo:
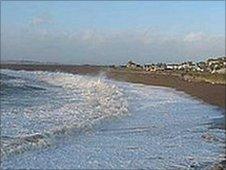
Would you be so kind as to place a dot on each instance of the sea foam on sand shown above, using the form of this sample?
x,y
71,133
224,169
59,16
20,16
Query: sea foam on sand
x,y
138,127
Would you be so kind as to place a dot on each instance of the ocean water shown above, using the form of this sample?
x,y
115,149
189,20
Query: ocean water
x,y
54,120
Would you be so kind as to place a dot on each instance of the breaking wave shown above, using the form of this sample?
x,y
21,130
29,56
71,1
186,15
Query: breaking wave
x,y
38,106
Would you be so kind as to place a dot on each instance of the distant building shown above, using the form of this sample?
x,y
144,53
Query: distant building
x,y
172,66
220,71
198,68
133,65
213,65
150,67
201,66
217,65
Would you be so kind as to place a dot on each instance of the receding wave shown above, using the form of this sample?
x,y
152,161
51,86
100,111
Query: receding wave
x,y
20,144
54,104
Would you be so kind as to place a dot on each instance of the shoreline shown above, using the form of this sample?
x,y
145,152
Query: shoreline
x,y
213,94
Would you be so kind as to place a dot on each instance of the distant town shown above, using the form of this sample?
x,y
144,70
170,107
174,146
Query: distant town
x,y
212,70
214,65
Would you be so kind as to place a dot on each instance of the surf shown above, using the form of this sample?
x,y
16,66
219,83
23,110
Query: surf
x,y
75,102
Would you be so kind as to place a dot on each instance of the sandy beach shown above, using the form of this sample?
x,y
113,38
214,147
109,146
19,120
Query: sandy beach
x,y
113,85
210,93
213,94
72,121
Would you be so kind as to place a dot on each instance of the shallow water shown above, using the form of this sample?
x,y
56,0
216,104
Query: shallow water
x,y
65,121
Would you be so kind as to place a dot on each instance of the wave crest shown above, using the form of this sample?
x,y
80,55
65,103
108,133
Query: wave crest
x,y
74,102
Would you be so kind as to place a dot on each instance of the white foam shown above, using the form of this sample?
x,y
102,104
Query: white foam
x,y
75,101
165,129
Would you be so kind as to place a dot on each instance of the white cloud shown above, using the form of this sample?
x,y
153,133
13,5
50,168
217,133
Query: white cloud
x,y
42,20
95,46
194,37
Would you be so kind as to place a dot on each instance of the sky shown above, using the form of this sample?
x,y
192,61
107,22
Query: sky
x,y
113,32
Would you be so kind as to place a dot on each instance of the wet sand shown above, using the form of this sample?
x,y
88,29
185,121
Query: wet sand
x,y
213,94
210,93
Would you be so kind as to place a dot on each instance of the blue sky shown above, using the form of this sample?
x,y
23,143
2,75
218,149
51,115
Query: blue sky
x,y
97,32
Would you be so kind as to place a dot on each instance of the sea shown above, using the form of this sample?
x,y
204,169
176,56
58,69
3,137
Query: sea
x,y
56,120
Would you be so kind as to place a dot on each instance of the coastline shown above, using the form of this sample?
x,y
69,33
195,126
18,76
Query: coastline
x,y
213,94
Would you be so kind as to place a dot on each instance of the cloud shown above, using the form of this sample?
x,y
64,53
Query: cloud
x,y
42,19
194,37
94,46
